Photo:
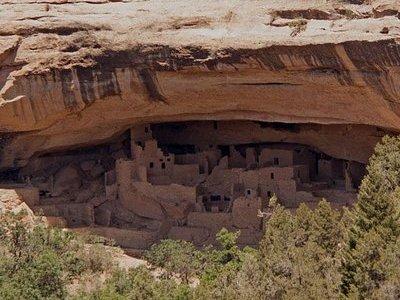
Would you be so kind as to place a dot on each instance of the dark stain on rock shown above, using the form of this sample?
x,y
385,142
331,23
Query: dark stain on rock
x,y
325,58
373,60
85,77
373,56
269,58
373,79
149,80
33,103
105,80
308,14
157,57
67,91
319,59
59,29
108,83
342,76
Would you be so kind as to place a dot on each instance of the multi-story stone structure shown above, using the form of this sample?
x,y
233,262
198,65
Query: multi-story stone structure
x,y
188,186
199,192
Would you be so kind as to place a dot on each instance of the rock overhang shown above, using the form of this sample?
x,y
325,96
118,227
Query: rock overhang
x,y
66,88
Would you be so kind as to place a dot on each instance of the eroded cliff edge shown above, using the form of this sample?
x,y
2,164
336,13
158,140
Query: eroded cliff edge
x,y
77,73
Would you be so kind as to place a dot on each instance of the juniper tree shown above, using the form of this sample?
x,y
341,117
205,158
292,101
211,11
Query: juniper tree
x,y
299,253
374,221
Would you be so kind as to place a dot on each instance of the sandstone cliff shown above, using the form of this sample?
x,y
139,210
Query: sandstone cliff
x,y
76,72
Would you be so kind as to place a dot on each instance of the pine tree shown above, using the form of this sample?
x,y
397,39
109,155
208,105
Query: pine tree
x,y
375,221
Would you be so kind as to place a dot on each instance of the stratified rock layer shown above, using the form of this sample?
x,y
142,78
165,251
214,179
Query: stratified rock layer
x,y
75,73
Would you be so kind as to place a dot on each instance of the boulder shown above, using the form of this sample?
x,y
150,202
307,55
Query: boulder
x,y
29,217
11,197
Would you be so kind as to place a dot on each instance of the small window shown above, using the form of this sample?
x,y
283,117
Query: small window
x,y
298,173
163,165
140,144
269,194
151,165
168,159
248,192
272,175
227,199
215,198
161,159
276,161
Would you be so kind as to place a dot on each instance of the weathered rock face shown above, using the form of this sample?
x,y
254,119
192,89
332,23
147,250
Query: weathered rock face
x,y
75,73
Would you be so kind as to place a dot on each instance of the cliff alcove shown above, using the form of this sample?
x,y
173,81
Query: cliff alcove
x,y
186,180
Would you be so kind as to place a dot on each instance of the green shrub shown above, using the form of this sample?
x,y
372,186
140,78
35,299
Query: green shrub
x,y
138,283
38,262
178,258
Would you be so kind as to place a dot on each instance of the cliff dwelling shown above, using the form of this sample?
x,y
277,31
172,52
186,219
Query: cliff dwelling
x,y
187,180
167,122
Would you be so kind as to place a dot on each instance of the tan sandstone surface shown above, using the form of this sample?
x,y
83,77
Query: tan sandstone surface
x,y
76,72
